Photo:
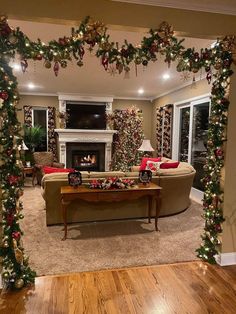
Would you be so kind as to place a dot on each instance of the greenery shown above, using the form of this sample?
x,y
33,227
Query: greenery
x,y
33,136
216,62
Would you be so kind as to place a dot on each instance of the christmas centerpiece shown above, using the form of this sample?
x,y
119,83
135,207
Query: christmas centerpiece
x,y
112,183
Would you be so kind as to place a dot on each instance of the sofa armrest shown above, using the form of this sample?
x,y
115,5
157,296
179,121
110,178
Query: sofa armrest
x,y
38,166
58,165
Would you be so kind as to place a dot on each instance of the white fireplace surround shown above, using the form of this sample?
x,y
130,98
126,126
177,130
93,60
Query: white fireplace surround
x,y
85,136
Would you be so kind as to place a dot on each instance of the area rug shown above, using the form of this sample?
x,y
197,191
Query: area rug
x,y
104,245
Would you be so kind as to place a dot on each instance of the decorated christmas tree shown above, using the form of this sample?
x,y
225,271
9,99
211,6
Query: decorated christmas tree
x,y
129,124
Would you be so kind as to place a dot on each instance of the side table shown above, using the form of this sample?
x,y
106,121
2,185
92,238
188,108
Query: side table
x,y
29,170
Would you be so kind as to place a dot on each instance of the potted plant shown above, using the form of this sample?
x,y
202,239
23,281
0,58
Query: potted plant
x,y
33,137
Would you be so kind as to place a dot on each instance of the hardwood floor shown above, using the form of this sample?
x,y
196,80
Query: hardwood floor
x,y
191,287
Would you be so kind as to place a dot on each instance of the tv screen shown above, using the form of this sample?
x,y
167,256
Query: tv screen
x,y
86,116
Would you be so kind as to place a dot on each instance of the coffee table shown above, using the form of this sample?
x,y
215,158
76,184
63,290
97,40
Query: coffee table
x,y
151,190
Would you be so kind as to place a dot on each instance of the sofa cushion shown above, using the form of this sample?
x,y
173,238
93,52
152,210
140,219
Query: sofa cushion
x,y
48,170
105,174
174,171
144,162
169,165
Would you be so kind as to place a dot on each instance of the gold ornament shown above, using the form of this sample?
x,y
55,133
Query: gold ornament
x,y
12,39
5,244
165,30
5,275
47,64
19,283
18,252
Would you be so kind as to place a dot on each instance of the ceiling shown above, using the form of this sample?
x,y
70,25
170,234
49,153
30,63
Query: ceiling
x,y
214,6
92,79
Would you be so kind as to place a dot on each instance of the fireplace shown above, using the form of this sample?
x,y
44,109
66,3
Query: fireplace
x,y
70,139
86,156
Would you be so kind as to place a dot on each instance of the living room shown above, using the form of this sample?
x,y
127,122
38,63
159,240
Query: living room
x,y
181,97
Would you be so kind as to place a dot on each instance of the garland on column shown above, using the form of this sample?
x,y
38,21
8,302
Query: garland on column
x,y
16,272
216,62
129,138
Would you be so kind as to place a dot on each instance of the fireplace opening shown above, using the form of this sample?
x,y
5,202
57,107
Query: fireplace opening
x,y
85,156
85,160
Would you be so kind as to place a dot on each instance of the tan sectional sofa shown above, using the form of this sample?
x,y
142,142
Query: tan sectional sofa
x,y
175,183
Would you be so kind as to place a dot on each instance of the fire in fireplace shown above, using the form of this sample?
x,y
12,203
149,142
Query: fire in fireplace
x,y
85,156
85,160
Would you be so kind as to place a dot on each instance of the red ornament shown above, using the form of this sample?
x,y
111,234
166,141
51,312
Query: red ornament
x,y
219,153
10,219
218,228
24,65
39,57
13,179
5,30
208,77
81,52
16,235
105,62
56,68
62,41
4,95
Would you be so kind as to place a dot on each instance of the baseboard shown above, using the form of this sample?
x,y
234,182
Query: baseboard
x,y
226,259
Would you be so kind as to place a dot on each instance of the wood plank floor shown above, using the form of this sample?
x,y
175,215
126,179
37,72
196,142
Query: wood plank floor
x,y
192,287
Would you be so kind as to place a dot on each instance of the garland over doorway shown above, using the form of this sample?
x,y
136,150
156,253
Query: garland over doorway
x,y
93,35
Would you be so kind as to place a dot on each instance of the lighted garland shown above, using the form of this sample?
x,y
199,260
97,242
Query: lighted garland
x,y
56,54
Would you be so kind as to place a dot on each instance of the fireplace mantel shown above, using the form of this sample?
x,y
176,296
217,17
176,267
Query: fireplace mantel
x,y
85,136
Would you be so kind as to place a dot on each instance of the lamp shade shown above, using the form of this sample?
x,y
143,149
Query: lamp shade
x,y
23,146
146,146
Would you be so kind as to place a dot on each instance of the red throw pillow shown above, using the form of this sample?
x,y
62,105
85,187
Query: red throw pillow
x,y
144,162
169,165
48,170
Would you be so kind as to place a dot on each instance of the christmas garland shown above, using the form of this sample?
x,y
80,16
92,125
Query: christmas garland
x,y
215,61
112,183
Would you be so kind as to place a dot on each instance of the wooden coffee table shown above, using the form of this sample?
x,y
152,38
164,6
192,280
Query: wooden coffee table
x,y
151,190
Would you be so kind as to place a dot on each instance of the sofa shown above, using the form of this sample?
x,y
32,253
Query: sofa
x,y
176,185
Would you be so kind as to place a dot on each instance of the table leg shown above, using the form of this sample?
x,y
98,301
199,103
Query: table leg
x,y
63,205
33,178
150,200
157,210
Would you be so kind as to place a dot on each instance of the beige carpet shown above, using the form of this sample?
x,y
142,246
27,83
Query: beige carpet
x,y
114,244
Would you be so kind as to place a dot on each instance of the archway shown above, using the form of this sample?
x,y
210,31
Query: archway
x,y
162,41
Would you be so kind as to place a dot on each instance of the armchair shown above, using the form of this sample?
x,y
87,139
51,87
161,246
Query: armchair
x,y
42,159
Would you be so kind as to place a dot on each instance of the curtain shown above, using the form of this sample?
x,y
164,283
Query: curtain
x,y
164,130
52,142
28,116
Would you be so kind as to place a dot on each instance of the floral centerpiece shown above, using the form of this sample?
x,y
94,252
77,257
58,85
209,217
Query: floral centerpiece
x,y
112,183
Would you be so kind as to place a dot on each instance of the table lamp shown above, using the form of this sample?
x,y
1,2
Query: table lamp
x,y
146,148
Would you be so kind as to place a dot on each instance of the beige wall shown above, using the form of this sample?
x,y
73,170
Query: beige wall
x,y
183,94
145,106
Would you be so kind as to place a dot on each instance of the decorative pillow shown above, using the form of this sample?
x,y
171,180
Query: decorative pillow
x,y
153,165
169,165
144,162
48,170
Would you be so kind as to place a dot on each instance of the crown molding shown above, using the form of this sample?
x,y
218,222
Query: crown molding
x,y
222,7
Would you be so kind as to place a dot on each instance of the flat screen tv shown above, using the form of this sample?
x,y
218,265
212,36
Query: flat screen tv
x,y
86,116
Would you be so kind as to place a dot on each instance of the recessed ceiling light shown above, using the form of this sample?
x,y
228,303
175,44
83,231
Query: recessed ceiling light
x,y
31,86
140,91
166,76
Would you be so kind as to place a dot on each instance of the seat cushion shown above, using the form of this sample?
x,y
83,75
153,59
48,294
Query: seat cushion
x,y
48,170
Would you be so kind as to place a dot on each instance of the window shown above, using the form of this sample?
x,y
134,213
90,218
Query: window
x,y
39,117
190,135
